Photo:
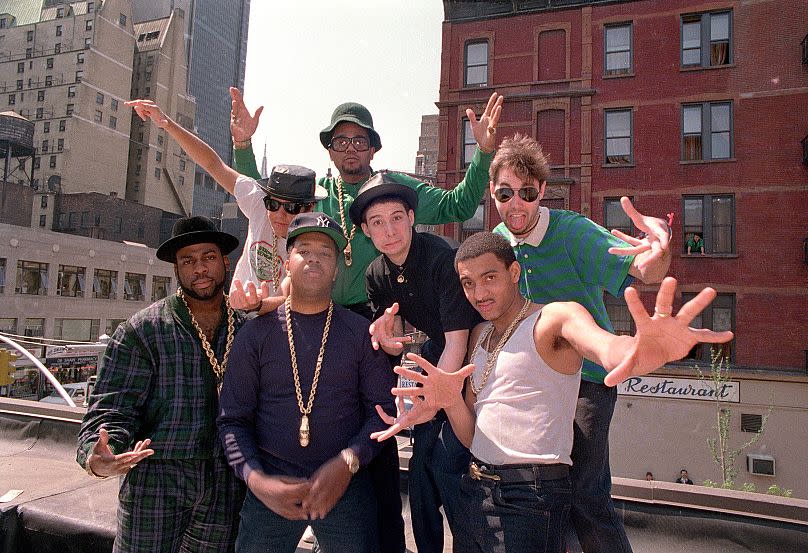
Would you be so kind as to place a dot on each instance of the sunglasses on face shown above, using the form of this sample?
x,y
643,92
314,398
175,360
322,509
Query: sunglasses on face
x,y
528,193
292,208
340,143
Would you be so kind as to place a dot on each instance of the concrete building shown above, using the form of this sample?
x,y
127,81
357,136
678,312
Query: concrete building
x,y
216,31
426,159
686,107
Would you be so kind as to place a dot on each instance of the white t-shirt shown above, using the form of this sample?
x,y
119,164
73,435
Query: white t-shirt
x,y
256,261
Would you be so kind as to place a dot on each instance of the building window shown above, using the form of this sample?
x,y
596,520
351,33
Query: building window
x,y
87,42
113,122
712,217
706,39
69,110
105,283
707,131
618,137
12,99
182,165
49,63
21,67
134,287
52,162
80,57
181,180
615,218
2,275
29,36
57,48
58,30
48,80
83,330
113,104
40,95
40,113
617,48
60,144
718,316
157,173
43,202
99,98
158,156
71,91
619,315
122,20
475,224
79,75
90,6
29,53
85,219
43,220
36,163
71,281
98,116
32,278
60,12
159,141
19,84
45,146
112,326
469,144
160,287
9,326
476,64
88,25
34,327
62,125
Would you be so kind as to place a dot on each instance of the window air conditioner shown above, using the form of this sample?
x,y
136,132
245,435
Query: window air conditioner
x,y
760,464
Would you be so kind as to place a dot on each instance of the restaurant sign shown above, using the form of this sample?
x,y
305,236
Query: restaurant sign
x,y
680,388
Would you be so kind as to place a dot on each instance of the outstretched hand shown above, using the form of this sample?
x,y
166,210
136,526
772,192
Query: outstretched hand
x,y
247,297
382,332
147,109
663,337
656,239
485,129
439,390
242,124
103,462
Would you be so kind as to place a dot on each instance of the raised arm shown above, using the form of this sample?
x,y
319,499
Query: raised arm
x,y
652,253
202,154
242,128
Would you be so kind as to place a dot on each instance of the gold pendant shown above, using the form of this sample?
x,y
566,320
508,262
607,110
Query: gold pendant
x,y
304,431
400,279
348,256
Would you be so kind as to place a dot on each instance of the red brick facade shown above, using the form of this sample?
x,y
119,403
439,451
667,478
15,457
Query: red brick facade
x,y
550,66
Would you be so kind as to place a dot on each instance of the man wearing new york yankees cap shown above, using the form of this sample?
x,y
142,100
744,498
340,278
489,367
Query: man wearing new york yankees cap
x,y
297,410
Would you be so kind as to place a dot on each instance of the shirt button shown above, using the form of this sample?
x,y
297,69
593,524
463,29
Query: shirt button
x,y
530,271
525,256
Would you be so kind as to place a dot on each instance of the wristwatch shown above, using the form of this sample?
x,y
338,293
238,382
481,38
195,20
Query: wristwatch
x,y
350,459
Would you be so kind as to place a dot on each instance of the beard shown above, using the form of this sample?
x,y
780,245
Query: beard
x,y
191,293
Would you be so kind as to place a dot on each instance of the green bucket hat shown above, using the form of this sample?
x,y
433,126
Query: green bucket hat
x,y
351,112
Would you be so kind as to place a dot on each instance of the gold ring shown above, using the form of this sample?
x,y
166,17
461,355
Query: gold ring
x,y
667,313
492,130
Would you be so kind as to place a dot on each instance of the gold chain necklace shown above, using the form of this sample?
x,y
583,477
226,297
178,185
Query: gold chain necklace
x,y
344,224
218,368
491,359
276,265
304,434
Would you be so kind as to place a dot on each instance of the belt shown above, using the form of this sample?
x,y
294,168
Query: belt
x,y
517,473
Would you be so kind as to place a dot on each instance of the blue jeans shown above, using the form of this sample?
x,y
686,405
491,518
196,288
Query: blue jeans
x,y
350,527
438,463
598,526
523,517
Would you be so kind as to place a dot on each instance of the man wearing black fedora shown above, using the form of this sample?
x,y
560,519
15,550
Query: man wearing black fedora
x,y
414,279
351,141
269,205
152,412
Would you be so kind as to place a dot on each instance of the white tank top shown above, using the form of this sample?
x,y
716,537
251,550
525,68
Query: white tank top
x,y
525,411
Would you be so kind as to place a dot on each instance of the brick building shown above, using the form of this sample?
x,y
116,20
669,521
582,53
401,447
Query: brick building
x,y
685,106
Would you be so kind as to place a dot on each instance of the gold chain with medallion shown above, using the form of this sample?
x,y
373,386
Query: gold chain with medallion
x,y
304,434
491,359
344,224
275,267
218,368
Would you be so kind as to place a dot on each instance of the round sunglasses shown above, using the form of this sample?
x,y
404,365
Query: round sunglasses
x,y
292,208
528,193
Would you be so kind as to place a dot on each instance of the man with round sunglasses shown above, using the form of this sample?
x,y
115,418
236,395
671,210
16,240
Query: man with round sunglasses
x,y
566,257
352,141
269,204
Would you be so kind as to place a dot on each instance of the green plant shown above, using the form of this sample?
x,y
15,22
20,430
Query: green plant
x,y
774,489
749,487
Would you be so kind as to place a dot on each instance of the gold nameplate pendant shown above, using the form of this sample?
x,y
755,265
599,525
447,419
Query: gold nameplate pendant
x,y
348,255
304,431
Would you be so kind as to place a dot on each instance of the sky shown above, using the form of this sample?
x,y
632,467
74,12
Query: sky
x,y
306,58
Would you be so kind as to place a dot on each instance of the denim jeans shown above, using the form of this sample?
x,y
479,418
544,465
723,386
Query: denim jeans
x,y
520,517
350,527
598,526
438,462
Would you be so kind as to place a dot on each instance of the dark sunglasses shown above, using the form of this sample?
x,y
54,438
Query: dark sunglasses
x,y
292,208
340,143
528,193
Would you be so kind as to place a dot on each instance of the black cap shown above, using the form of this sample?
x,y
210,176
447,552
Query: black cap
x,y
293,183
381,184
351,112
316,221
195,230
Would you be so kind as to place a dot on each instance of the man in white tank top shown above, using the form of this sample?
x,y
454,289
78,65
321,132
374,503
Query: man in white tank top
x,y
517,410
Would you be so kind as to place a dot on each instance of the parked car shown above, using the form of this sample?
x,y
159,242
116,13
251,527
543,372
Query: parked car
x,y
77,392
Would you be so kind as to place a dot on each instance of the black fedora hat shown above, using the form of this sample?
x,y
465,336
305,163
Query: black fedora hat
x,y
351,112
293,183
379,185
195,230
316,221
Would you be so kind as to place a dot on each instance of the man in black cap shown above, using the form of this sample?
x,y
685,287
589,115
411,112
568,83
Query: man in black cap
x,y
297,408
415,280
269,205
153,409
352,141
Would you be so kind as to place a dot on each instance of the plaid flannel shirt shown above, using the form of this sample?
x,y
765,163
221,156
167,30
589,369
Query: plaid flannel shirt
x,y
155,381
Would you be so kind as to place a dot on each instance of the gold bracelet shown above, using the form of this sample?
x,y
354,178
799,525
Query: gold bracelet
x,y
242,145
89,469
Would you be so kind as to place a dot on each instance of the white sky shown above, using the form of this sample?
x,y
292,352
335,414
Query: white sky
x,y
305,58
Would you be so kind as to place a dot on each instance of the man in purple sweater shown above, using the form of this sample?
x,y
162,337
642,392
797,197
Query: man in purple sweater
x,y
297,408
